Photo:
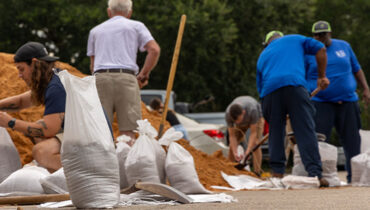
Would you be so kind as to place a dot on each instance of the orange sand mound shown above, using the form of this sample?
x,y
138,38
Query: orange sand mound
x,y
208,166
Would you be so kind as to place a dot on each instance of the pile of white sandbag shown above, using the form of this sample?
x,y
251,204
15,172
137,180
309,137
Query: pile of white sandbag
x,y
329,155
148,161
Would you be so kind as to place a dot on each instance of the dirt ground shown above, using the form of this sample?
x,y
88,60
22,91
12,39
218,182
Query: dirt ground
x,y
329,198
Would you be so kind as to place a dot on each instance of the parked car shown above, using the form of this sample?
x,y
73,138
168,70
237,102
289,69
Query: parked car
x,y
208,138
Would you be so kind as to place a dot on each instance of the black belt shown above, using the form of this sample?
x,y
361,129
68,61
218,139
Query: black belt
x,y
128,71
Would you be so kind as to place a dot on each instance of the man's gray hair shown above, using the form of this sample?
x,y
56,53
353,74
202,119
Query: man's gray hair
x,y
124,6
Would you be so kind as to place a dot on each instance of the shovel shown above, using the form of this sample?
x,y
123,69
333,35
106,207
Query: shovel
x,y
243,163
160,189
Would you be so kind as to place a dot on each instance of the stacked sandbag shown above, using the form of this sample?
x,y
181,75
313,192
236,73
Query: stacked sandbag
x,y
360,166
145,161
122,150
55,183
88,154
329,155
25,181
9,156
180,169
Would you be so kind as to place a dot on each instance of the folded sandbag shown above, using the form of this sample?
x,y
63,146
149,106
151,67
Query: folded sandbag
x,y
25,181
180,168
9,156
55,183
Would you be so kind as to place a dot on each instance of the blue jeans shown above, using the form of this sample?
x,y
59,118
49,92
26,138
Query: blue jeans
x,y
181,128
294,101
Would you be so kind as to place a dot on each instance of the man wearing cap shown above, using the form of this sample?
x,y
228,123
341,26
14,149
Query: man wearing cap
x,y
112,47
281,81
337,105
36,68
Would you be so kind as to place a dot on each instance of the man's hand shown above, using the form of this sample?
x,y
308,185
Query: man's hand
x,y
323,83
4,119
237,157
142,79
366,97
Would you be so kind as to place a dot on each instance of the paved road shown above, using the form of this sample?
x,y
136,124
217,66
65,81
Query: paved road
x,y
329,198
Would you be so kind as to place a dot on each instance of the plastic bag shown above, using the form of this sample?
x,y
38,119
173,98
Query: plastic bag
x,y
25,181
179,165
88,154
329,155
360,166
145,161
55,183
9,156
122,151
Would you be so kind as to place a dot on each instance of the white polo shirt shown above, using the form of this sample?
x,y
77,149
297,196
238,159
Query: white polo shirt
x,y
115,43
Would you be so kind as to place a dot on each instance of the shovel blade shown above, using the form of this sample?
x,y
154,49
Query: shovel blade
x,y
160,189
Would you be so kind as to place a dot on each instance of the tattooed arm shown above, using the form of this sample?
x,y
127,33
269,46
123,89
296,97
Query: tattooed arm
x,y
47,127
16,103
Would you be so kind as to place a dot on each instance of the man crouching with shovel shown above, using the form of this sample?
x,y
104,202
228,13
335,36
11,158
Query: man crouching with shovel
x,y
244,113
36,67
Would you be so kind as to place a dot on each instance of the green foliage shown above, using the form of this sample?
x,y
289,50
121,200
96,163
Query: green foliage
x,y
221,42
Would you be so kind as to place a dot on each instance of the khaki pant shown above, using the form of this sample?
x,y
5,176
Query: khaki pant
x,y
256,155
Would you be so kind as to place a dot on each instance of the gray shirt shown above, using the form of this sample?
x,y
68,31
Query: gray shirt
x,y
253,111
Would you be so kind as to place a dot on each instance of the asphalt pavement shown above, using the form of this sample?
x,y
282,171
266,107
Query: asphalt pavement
x,y
324,198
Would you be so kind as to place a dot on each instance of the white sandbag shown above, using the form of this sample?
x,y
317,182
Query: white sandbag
x,y
142,162
55,183
360,166
88,154
300,182
329,155
9,156
180,168
122,151
365,140
25,181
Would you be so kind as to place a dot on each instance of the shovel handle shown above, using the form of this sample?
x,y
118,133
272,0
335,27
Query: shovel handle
x,y
33,199
243,163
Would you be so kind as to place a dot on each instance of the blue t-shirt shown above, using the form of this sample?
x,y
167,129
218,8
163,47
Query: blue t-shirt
x,y
281,63
340,70
55,97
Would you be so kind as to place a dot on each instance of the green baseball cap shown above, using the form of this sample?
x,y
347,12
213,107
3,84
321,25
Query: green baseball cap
x,y
272,34
321,26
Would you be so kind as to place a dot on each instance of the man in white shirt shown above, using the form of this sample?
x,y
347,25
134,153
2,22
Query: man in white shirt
x,y
112,47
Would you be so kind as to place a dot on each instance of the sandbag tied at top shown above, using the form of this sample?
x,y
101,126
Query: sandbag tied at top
x,y
179,166
88,154
122,149
146,158
9,156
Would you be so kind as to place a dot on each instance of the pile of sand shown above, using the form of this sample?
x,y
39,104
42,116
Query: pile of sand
x,y
208,166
